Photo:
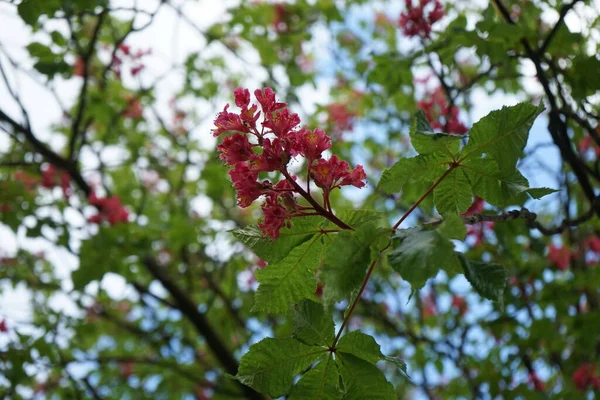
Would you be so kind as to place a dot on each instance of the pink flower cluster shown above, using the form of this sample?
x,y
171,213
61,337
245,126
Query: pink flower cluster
x,y
440,114
585,377
52,177
125,53
417,20
341,118
109,209
251,150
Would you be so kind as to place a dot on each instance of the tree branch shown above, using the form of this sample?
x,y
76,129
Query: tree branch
x,y
201,323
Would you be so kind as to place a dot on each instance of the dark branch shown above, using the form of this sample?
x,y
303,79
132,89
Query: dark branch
x,y
200,322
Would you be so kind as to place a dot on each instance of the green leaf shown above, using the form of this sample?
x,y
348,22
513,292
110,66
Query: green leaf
x,y
320,383
363,380
502,135
453,195
497,187
346,262
272,251
426,141
290,280
538,193
270,365
360,345
31,10
399,174
101,254
453,227
311,325
422,168
357,218
420,255
489,280
400,363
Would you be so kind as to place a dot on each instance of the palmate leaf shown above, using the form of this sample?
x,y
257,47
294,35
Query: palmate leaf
x,y
320,383
311,325
453,195
426,141
270,365
489,280
346,262
272,251
497,187
363,380
360,345
356,218
419,255
421,168
453,227
502,135
290,280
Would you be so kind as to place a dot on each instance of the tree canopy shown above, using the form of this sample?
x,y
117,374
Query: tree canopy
x,y
355,199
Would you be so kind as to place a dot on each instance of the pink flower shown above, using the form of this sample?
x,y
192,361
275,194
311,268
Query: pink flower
x,y
439,113
476,207
559,256
134,109
235,148
3,326
585,376
355,178
242,97
275,217
266,99
341,118
593,243
313,144
51,177
271,159
281,122
110,209
417,21
332,173
137,69
227,122
244,180
277,142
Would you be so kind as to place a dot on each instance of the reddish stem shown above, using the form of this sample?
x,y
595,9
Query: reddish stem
x,y
427,193
355,302
372,266
318,208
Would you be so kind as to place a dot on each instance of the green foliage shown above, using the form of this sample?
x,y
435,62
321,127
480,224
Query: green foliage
x,y
289,238
312,326
113,327
419,255
426,141
289,280
270,365
321,382
362,380
489,280
346,261
502,135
